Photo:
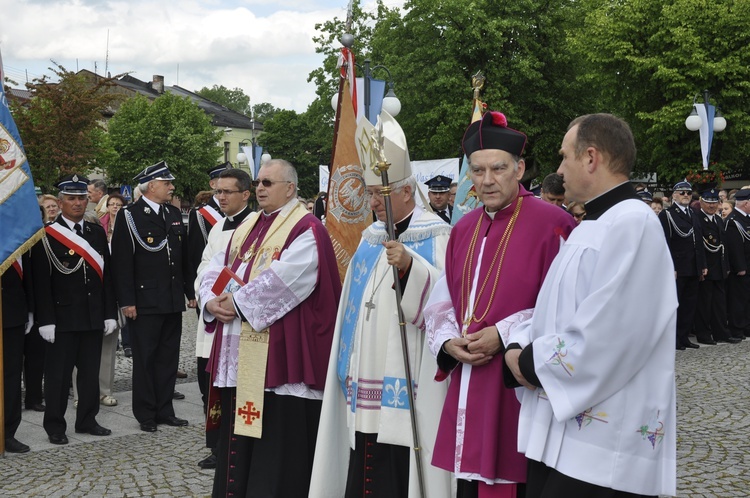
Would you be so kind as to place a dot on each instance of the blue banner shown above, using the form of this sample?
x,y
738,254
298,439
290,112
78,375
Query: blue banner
x,y
20,218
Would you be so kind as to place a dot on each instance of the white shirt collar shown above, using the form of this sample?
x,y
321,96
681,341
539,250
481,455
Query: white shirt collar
x,y
153,204
71,224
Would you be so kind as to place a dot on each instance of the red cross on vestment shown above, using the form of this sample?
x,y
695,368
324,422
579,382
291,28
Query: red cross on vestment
x,y
248,412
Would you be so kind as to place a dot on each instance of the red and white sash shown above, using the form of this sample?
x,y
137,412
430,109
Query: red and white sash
x,y
210,214
77,244
18,266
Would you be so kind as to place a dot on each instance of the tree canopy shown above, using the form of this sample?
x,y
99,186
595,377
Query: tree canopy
x,y
171,129
548,61
234,99
62,125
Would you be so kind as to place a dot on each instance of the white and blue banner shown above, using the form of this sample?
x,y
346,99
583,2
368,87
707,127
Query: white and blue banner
x,y
20,219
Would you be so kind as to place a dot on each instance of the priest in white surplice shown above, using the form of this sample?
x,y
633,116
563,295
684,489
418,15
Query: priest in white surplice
x,y
365,442
597,357
232,194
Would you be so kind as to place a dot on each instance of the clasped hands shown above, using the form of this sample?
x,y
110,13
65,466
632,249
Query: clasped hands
x,y
222,307
475,349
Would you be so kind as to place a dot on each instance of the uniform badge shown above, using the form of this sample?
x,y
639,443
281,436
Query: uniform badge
x,y
147,210
71,252
150,240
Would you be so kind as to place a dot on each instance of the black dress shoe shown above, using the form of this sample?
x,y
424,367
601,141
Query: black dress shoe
x,y
37,407
181,374
97,430
58,439
692,345
730,340
208,463
148,426
680,347
174,421
710,342
127,352
178,395
13,445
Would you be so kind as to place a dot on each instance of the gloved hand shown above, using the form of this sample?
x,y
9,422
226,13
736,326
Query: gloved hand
x,y
109,326
30,323
47,332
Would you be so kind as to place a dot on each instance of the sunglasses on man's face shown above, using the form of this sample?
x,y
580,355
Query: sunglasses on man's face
x,y
268,183
684,192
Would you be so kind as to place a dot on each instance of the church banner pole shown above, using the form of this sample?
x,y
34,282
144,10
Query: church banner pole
x,y
381,167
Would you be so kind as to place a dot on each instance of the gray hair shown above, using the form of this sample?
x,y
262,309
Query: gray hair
x,y
289,171
409,181
143,187
99,185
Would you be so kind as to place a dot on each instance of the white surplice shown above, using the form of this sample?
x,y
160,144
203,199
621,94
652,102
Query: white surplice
x,y
603,334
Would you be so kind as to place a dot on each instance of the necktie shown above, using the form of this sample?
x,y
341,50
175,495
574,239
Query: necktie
x,y
78,230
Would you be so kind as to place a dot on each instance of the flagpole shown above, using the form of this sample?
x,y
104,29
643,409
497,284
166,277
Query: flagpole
x,y
2,381
382,166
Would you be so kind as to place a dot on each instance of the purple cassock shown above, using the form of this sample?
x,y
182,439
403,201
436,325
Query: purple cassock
x,y
487,445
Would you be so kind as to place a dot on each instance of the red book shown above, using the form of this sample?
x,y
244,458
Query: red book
x,y
224,279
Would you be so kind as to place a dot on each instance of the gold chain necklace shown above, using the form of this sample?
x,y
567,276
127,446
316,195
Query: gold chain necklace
x,y
467,274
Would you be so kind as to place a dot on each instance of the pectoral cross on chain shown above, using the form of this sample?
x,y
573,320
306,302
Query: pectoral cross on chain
x,y
370,305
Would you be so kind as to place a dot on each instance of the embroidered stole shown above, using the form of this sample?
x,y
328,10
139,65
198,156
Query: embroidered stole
x,y
419,238
253,348
77,245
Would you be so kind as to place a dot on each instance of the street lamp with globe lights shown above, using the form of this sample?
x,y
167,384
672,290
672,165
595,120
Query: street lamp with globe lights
x,y
708,119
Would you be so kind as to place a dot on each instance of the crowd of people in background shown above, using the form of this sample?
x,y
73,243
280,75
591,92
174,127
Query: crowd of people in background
x,y
477,300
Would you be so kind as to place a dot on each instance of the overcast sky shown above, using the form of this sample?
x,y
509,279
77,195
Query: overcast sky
x,y
264,47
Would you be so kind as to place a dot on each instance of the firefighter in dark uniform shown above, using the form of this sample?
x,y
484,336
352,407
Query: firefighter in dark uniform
x,y
438,191
738,251
200,221
149,261
711,312
685,240
17,322
74,307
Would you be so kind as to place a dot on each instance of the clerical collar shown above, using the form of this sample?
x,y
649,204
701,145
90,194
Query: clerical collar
x,y
402,225
156,206
238,213
492,214
600,204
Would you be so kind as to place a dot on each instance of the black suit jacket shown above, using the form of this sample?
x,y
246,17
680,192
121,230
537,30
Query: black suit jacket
x,y
153,282
17,294
738,249
688,255
714,236
78,301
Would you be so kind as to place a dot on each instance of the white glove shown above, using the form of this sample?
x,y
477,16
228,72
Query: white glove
x,y
109,326
47,332
30,323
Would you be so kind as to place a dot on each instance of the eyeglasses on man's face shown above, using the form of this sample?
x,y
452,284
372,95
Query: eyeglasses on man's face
x,y
221,192
684,192
268,183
